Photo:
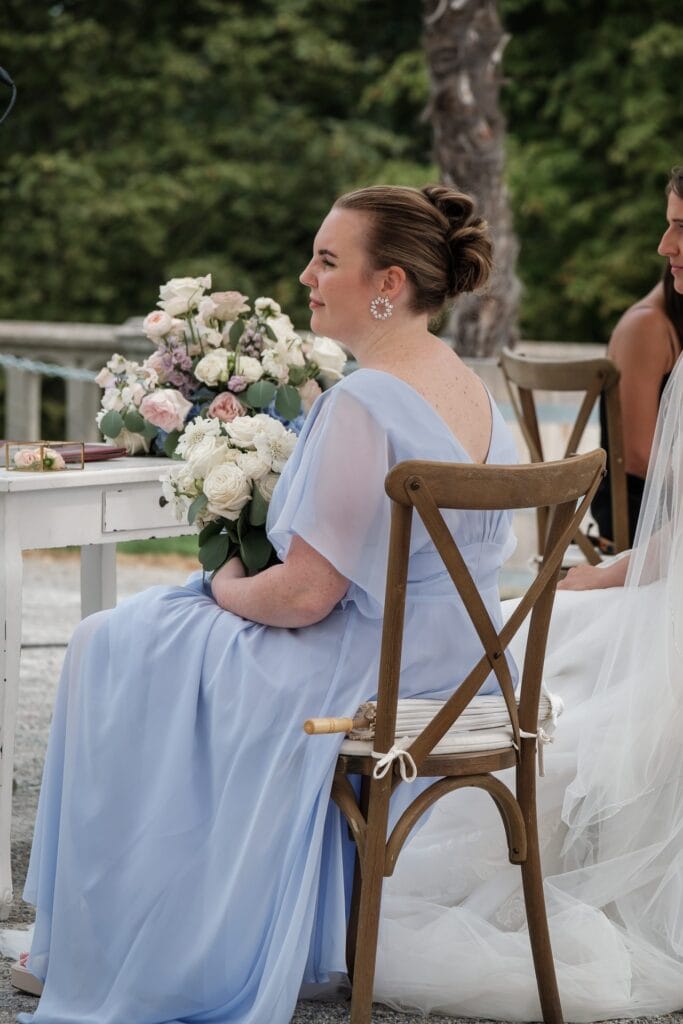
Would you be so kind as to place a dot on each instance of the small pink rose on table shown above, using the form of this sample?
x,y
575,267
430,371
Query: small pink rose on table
x,y
166,409
226,407
27,458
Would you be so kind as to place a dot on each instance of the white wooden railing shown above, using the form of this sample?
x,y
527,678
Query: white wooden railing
x,y
78,347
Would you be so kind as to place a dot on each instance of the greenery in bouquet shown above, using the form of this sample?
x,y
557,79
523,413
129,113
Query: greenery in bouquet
x,y
217,355
224,484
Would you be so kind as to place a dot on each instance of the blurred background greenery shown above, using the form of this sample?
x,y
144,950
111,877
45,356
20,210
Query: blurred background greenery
x,y
157,140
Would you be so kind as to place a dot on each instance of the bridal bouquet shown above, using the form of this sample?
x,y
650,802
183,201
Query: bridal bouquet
x,y
216,355
225,483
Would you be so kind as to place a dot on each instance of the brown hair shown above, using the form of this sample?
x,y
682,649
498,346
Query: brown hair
x,y
432,233
675,182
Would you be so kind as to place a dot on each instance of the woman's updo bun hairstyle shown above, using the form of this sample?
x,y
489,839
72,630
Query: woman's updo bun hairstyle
x,y
432,233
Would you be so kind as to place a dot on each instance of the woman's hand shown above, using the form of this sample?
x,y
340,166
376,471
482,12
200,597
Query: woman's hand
x,y
595,577
233,569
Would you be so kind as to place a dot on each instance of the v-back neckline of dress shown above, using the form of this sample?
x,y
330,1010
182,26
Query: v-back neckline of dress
x,y
437,416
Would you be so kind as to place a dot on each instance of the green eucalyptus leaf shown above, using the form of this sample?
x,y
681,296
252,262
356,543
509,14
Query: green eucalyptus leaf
x,y
255,550
297,375
215,551
258,508
197,506
236,332
270,332
134,422
171,442
149,431
260,394
215,526
288,402
111,424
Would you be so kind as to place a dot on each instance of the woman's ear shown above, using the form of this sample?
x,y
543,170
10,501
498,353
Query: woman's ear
x,y
392,282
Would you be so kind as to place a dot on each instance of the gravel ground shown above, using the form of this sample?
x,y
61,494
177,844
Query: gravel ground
x,y
51,611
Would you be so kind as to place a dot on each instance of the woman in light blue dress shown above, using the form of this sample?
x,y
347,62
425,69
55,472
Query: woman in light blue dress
x,y
187,865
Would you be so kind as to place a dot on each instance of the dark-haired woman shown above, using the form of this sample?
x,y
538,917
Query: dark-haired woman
x,y
187,865
645,345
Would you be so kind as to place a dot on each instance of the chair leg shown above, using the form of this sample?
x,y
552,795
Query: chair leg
x,y
370,902
534,901
352,926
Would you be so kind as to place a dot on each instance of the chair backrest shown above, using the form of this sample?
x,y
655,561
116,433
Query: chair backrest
x,y
428,487
524,375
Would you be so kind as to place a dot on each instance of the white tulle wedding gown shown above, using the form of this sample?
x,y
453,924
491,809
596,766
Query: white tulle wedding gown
x,y
611,812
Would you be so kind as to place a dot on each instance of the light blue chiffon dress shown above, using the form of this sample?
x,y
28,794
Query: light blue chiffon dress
x,y
187,865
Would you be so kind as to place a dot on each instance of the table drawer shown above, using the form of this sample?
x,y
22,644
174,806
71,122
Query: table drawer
x,y
124,509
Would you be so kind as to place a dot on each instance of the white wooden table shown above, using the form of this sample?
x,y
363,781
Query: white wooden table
x,y
92,508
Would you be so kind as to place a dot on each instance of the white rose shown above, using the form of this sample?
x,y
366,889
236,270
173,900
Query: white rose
x,y
213,368
182,294
207,309
266,307
156,324
244,429
266,485
252,465
207,453
331,359
249,368
227,489
275,366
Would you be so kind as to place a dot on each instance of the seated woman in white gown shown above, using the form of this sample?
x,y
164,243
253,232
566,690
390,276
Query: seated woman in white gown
x,y
610,807
187,865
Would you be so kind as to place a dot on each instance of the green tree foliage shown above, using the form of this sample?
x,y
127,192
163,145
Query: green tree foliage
x,y
594,113
154,140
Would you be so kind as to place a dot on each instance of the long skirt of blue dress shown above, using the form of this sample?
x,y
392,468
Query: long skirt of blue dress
x,y
176,867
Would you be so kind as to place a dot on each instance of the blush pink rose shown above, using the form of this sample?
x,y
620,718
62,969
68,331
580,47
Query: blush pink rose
x,y
166,409
27,458
226,407
229,305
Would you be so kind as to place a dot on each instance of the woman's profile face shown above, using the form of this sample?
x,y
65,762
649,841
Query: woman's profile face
x,y
671,244
341,285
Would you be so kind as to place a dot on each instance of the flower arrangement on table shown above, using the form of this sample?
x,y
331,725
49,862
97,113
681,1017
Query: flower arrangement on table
x,y
226,390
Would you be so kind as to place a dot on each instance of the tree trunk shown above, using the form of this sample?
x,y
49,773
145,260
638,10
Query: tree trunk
x,y
464,43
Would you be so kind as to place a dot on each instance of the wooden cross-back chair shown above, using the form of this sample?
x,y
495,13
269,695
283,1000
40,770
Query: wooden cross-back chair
x,y
426,487
524,375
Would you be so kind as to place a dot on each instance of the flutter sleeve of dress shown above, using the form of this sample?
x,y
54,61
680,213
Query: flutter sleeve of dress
x,y
331,494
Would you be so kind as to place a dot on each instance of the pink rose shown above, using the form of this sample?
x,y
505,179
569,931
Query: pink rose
x,y
308,393
156,324
165,408
226,407
229,305
27,458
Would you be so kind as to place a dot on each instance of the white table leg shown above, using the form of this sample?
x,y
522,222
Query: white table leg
x,y
98,577
10,651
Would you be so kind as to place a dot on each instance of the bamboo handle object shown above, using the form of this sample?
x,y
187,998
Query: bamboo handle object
x,y
320,726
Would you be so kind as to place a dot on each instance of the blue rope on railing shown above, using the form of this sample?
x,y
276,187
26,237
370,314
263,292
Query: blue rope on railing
x,y
46,369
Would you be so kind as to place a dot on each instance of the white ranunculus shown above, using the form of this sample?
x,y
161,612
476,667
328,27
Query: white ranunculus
x,y
275,449
213,367
228,490
266,485
157,324
207,453
249,368
266,307
252,465
330,357
182,294
244,429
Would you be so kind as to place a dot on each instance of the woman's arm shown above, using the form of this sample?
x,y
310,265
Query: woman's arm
x,y
641,347
593,577
302,590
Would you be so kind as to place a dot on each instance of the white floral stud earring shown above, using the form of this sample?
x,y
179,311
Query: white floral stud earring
x,y
381,308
